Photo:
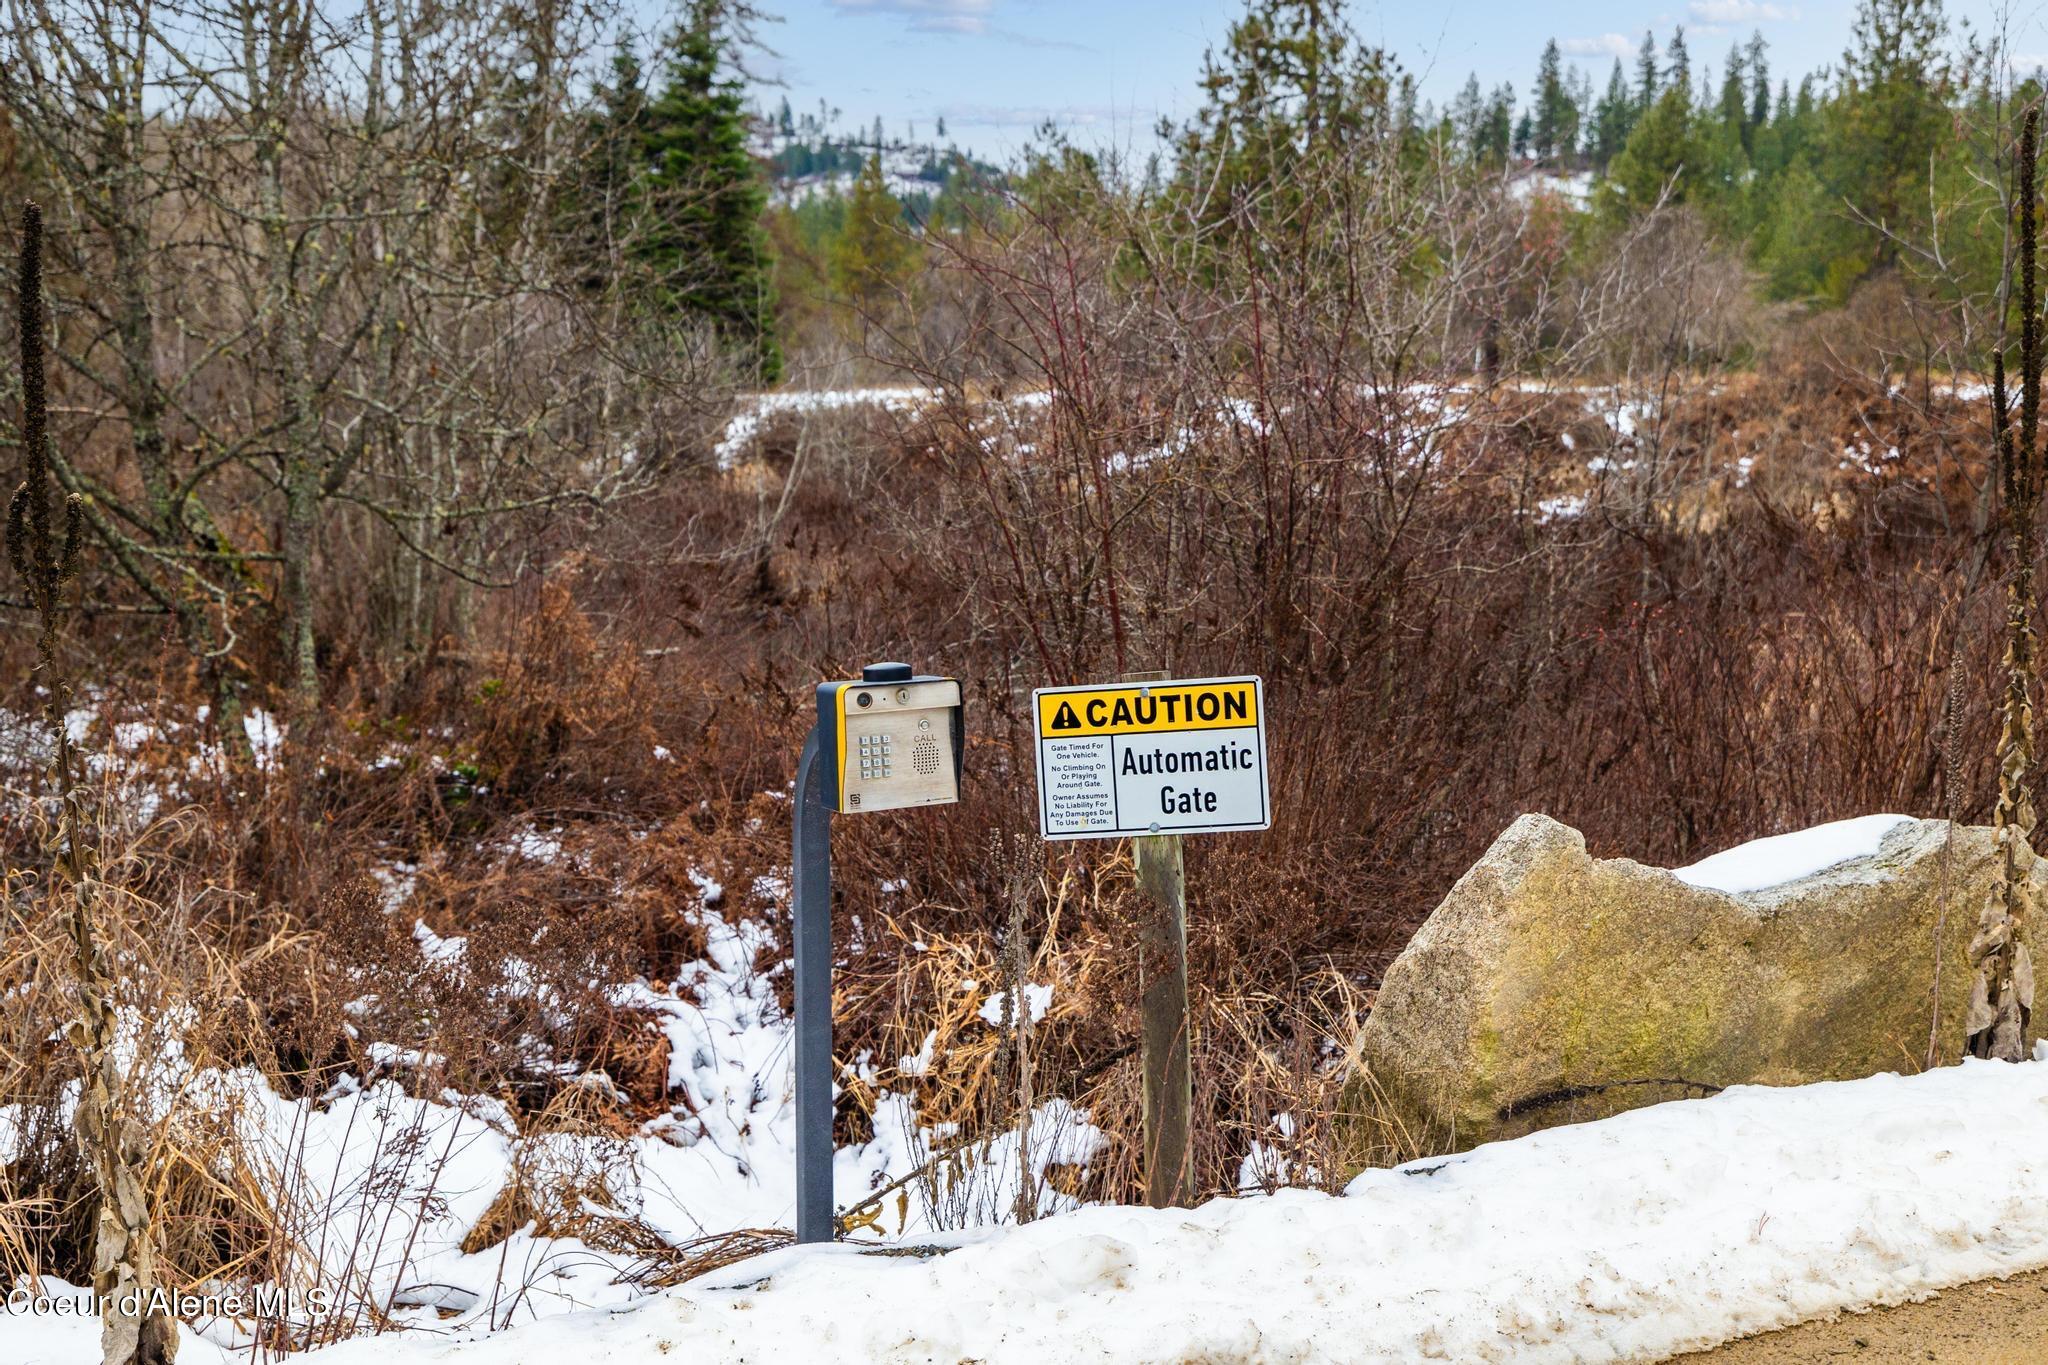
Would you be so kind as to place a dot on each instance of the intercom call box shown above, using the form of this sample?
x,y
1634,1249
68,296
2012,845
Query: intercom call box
x,y
892,740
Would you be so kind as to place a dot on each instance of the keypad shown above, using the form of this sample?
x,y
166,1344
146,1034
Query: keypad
x,y
876,758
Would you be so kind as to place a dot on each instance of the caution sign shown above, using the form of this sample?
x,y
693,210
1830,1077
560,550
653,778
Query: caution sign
x,y
1184,756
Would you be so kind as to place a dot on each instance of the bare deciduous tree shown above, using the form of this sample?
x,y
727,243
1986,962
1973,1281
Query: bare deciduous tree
x,y
2002,995
134,1329
323,308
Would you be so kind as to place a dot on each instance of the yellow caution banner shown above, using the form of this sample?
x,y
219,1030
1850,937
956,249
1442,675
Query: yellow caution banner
x,y
1146,708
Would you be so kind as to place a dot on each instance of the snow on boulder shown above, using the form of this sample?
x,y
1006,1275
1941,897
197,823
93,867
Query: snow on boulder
x,y
1551,986
1788,857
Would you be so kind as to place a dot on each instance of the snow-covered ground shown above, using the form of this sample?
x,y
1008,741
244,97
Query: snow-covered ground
x,y
1660,1230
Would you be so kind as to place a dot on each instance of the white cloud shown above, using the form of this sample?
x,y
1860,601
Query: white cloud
x,y
1739,11
928,16
1606,45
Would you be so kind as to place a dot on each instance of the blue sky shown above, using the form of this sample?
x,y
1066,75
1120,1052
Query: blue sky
x,y
1108,69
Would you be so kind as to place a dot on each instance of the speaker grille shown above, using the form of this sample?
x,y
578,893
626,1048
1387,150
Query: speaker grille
x,y
924,755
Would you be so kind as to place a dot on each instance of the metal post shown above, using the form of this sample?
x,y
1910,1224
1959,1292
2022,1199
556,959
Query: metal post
x,y
811,899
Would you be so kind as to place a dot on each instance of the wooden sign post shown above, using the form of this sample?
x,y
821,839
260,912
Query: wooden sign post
x,y
1163,976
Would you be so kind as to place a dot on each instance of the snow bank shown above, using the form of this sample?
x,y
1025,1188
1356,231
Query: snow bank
x,y
1660,1230
745,428
1788,857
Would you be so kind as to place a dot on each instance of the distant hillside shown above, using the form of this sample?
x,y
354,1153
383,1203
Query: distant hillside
x,y
807,158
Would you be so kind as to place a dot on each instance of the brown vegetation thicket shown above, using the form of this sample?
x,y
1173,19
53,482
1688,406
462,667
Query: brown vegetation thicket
x,y
1763,651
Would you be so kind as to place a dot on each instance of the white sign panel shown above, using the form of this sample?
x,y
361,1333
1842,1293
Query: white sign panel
x,y
1185,756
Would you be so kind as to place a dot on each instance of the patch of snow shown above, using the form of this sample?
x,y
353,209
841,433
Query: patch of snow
x,y
1037,1000
398,880
1562,508
264,733
919,1062
1788,857
1267,1166
1575,188
1232,414
726,1154
390,1057
1621,415
434,948
50,1322
536,846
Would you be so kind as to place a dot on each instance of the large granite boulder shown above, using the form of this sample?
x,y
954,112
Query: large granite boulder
x,y
1550,986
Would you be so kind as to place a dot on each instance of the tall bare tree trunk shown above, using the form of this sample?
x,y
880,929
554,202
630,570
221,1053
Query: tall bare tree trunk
x,y
132,1330
2002,993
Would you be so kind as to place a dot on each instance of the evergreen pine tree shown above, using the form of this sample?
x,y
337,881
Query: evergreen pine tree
x,y
1579,101
1759,82
1290,82
1671,151
1498,127
1678,62
700,196
1648,83
1551,127
1734,94
619,116
1612,118
1888,118
873,258
1468,117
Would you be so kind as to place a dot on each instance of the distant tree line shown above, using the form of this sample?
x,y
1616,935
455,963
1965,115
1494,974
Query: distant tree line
x,y
1819,177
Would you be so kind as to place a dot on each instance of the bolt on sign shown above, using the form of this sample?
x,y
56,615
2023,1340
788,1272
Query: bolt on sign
x,y
1184,756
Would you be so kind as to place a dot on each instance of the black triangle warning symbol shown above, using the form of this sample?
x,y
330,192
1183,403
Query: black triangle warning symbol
x,y
1065,719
